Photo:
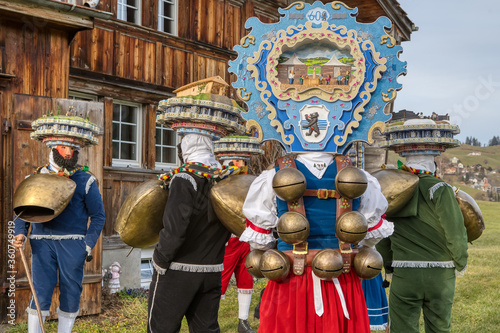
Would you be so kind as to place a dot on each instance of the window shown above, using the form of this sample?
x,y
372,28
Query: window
x,y
82,97
146,272
126,134
129,10
167,16
166,147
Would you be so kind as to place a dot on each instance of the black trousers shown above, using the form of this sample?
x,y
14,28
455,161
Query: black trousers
x,y
177,294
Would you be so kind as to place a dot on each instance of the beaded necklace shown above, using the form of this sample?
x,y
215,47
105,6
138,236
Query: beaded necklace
x,y
199,169
62,171
402,166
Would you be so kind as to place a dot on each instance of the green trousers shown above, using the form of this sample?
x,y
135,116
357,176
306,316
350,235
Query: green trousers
x,y
413,290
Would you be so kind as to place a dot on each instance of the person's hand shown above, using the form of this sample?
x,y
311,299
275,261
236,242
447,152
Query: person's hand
x,y
19,241
89,256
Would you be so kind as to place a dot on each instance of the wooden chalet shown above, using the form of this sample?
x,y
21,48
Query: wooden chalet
x,y
119,60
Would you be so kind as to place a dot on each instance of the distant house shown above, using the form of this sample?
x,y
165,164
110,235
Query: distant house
x,y
454,160
450,171
474,153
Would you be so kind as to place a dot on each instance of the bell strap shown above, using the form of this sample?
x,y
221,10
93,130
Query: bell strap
x,y
322,193
344,205
299,250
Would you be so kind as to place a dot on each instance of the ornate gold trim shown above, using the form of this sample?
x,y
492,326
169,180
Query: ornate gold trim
x,y
251,39
247,95
386,98
253,123
384,38
336,5
377,125
299,5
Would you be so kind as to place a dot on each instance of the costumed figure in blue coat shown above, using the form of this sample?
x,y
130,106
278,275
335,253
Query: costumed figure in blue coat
x,y
61,246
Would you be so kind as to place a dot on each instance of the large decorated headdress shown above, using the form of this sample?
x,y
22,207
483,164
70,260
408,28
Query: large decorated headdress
x,y
237,148
317,79
420,137
69,129
201,108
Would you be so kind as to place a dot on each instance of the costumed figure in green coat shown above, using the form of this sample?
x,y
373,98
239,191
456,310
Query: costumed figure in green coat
x,y
429,244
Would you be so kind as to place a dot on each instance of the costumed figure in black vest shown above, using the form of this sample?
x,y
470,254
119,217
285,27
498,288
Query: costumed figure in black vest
x,y
188,259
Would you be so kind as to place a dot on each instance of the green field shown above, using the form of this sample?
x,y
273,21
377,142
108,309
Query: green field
x,y
477,297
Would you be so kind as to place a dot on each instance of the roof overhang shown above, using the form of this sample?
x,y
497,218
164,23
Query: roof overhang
x,y
52,13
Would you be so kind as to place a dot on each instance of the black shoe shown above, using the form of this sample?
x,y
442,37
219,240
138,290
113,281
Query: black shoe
x,y
244,327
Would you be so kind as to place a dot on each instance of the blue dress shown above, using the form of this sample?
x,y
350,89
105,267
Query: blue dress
x,y
376,302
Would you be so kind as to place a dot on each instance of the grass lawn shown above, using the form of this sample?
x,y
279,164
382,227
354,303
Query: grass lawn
x,y
477,296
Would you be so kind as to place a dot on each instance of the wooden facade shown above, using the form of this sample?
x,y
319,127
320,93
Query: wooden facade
x,y
52,50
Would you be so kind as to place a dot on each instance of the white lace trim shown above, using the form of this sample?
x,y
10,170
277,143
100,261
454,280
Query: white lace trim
x,y
62,313
433,189
159,269
461,273
89,183
423,264
194,268
250,235
31,311
186,177
385,230
378,327
245,291
56,237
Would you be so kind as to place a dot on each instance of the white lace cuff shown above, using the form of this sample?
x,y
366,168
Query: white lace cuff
x,y
250,235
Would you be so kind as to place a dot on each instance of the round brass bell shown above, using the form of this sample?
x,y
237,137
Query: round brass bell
x,y
274,265
351,182
327,264
397,186
368,263
227,198
289,184
293,228
140,217
351,227
42,196
473,218
252,263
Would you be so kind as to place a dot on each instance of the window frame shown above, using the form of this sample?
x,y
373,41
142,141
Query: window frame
x,y
161,165
82,96
145,282
122,15
161,27
137,163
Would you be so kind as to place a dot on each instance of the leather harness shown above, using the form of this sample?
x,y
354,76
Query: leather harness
x,y
300,251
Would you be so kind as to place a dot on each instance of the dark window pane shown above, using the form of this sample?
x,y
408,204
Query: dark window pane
x,y
116,150
128,151
169,138
158,136
116,131
129,133
158,154
169,155
116,112
129,114
168,10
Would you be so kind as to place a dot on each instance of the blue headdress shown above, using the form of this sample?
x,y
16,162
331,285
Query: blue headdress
x,y
317,80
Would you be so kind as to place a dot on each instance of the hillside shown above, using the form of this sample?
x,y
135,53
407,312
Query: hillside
x,y
490,156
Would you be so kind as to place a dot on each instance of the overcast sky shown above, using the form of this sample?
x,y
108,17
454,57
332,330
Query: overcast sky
x,y
454,64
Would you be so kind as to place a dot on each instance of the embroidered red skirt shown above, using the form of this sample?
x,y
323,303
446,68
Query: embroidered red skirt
x,y
288,306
